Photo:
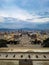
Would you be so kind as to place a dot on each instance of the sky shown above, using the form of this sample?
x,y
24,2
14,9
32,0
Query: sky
x,y
25,10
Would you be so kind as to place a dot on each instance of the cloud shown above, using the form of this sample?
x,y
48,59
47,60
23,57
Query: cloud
x,y
16,13
27,4
1,19
32,11
23,15
40,20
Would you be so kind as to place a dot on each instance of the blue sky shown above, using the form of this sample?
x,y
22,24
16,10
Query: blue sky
x,y
25,10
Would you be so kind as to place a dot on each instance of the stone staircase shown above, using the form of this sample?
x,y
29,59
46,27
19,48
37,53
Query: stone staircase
x,y
25,40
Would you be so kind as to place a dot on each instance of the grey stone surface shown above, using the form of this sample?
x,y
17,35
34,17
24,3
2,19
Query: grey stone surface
x,y
3,62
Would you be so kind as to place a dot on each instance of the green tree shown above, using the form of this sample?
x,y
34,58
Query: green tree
x,y
3,43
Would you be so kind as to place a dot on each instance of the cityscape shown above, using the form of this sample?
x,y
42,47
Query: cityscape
x,y
22,38
24,32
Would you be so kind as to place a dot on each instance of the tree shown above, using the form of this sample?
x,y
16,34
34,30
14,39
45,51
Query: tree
x,y
3,43
45,43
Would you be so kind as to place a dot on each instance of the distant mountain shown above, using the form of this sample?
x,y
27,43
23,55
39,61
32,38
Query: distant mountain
x,y
13,23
